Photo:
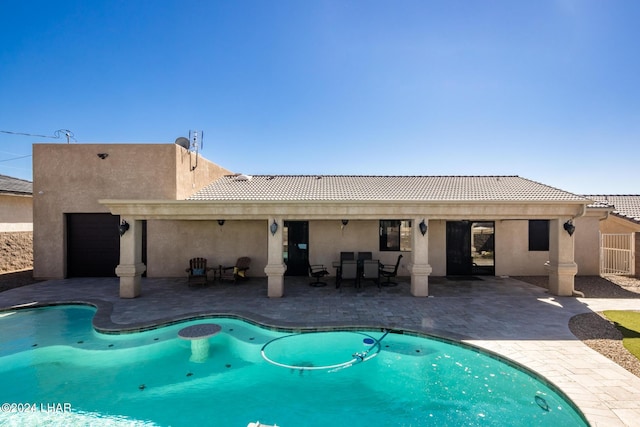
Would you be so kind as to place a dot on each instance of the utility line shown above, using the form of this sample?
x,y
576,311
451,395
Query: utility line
x,y
15,158
56,135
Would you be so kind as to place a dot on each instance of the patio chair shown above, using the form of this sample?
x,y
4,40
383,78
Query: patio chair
x,y
235,272
389,272
348,271
317,271
197,271
344,256
371,271
364,256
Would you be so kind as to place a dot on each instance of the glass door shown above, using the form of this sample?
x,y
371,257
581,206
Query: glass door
x,y
296,247
470,248
483,248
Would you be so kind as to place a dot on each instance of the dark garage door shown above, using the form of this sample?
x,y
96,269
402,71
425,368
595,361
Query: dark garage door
x,y
93,245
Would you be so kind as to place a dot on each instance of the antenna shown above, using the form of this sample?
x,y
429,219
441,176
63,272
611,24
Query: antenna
x,y
195,140
195,144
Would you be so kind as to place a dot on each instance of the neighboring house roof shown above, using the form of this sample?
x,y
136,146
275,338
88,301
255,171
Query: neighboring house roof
x,y
624,206
381,188
15,186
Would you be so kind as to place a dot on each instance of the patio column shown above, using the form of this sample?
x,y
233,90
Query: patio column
x,y
275,267
561,265
420,268
131,267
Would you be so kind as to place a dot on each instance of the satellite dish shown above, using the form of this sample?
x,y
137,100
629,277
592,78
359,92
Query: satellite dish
x,y
183,142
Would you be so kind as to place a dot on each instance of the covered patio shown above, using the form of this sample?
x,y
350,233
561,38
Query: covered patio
x,y
252,213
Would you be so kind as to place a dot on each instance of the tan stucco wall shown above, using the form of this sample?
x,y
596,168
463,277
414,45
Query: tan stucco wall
x,y
193,172
16,213
513,257
438,247
587,244
71,178
328,238
170,245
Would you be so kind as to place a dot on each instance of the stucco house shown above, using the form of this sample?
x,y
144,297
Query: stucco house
x,y
16,224
177,205
620,231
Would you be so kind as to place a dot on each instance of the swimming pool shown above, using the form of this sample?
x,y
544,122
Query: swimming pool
x,y
60,370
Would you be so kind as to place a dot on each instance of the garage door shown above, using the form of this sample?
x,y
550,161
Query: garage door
x,y
93,245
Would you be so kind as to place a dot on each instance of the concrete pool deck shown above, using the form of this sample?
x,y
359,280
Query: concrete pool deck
x,y
514,319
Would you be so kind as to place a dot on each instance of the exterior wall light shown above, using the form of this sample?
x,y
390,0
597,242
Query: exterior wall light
x,y
273,228
221,222
423,227
345,222
569,227
123,227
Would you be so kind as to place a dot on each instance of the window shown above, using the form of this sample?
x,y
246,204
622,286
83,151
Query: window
x,y
539,235
395,235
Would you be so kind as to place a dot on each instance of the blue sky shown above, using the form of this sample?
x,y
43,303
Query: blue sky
x,y
546,89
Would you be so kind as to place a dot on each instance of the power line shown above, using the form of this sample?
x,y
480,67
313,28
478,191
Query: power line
x,y
56,135
15,158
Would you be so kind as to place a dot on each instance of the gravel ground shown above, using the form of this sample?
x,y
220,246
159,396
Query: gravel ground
x,y
592,328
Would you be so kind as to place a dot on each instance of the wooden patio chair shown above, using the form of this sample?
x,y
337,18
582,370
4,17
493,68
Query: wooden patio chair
x,y
237,271
197,271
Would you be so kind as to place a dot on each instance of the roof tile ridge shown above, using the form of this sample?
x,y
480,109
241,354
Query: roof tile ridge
x,y
15,179
555,188
313,175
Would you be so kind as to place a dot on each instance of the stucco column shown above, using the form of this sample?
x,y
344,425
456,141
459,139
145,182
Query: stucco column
x,y
561,265
420,268
131,267
275,267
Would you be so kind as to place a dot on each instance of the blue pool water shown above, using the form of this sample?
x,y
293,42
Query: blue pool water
x,y
62,372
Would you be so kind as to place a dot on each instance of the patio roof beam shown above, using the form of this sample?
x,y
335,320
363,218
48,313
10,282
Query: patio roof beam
x,y
240,210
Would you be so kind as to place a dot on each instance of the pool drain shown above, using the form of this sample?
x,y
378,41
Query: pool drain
x,y
542,403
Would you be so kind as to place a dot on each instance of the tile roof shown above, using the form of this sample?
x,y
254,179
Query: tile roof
x,y
624,205
379,188
14,185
